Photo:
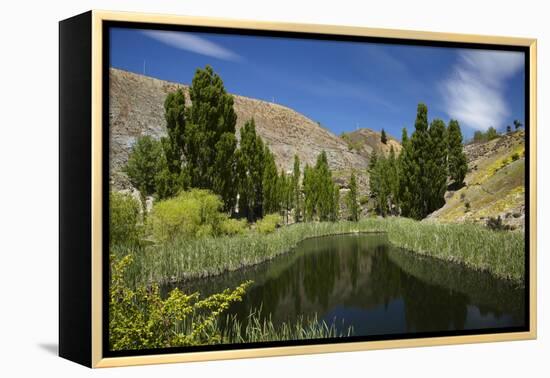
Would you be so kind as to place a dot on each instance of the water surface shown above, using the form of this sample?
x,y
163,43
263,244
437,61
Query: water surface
x,y
363,281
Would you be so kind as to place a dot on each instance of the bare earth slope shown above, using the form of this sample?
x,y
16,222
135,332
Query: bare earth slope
x,y
366,141
495,184
136,109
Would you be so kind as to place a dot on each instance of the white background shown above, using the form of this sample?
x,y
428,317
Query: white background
x,y
29,189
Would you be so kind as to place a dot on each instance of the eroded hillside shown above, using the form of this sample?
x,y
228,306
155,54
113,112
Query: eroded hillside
x,y
136,109
495,184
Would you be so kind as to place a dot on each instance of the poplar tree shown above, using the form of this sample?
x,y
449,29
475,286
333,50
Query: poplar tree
x,y
270,183
171,178
457,163
250,171
437,166
209,134
296,192
310,192
351,199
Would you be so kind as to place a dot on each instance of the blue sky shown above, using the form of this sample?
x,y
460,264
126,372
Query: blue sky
x,y
342,85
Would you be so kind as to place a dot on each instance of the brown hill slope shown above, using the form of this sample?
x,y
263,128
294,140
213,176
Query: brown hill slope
x,y
136,108
365,141
495,184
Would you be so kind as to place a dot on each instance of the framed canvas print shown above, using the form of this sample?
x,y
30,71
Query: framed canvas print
x,y
235,189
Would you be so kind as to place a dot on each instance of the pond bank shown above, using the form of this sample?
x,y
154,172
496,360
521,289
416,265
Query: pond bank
x,y
500,253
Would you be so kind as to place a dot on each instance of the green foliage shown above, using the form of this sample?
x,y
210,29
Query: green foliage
x,y
296,190
230,226
508,129
490,134
171,178
250,167
144,163
383,137
321,195
384,183
192,214
517,124
351,199
515,156
139,318
457,163
270,185
210,136
436,166
268,224
285,194
124,220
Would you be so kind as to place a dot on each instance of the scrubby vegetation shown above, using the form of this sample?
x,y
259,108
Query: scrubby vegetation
x,y
139,318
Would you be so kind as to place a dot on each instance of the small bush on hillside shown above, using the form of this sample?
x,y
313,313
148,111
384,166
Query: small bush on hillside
x,y
195,213
496,224
515,156
124,219
268,224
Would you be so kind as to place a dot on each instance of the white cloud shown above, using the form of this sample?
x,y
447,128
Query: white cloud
x,y
474,92
193,43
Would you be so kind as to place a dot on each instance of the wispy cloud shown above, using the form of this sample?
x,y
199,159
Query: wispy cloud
x,y
193,43
474,92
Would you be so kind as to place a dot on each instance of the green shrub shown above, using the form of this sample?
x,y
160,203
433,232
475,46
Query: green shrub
x,y
194,214
363,200
268,224
140,318
515,156
124,219
231,226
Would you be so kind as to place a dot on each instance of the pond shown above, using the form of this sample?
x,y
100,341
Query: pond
x,y
361,280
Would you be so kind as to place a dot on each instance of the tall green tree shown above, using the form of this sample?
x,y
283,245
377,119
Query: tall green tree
x,y
171,177
351,199
392,177
271,186
406,165
383,137
210,133
437,165
457,163
310,192
325,188
250,171
144,162
296,190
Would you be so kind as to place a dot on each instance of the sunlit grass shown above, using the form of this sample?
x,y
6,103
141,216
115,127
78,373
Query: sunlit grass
x,y
500,253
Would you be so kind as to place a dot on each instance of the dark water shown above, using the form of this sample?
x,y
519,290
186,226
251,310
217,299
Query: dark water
x,y
364,282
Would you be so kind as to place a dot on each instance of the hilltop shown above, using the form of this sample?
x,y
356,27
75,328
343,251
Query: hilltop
x,y
495,184
137,109
366,141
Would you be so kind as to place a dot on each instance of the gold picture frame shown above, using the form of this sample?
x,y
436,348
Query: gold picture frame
x,y
93,24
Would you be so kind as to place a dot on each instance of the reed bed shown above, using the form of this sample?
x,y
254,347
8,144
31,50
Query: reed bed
x,y
501,253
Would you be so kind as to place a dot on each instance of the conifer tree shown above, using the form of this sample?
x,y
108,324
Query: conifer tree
x,y
383,137
325,188
457,163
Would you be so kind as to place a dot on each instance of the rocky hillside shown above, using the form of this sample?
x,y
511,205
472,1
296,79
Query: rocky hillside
x,y
495,184
136,109
366,141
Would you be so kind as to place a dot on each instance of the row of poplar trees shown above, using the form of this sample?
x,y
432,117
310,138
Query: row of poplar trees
x,y
414,183
201,151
